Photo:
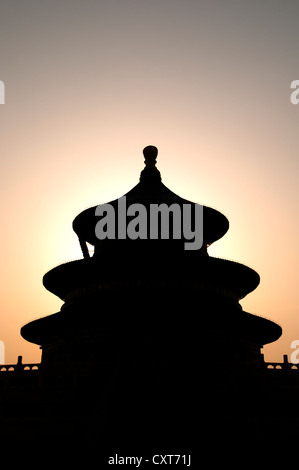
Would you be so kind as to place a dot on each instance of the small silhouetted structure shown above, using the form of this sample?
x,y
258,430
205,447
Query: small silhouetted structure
x,y
151,351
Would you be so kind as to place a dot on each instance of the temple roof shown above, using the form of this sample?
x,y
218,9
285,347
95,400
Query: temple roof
x,y
156,279
151,189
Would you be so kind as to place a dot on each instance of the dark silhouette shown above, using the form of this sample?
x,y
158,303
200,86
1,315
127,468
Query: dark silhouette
x,y
151,352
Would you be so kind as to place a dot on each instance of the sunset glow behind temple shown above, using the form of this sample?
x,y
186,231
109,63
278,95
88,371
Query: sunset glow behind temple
x,y
89,84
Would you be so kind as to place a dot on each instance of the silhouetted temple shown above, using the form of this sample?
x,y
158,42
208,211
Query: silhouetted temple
x,y
151,351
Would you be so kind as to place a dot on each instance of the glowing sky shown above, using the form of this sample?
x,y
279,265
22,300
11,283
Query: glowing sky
x,y
89,83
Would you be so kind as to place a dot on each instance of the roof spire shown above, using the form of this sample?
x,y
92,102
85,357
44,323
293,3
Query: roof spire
x,y
150,155
150,173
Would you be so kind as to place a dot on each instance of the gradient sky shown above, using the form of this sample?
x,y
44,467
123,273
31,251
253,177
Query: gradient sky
x,y
90,83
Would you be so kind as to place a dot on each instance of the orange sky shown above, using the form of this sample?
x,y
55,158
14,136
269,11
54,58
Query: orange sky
x,y
89,84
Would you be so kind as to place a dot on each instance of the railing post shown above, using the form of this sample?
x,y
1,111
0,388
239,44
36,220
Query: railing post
x,y
285,362
19,365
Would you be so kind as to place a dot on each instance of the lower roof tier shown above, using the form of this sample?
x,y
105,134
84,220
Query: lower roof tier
x,y
183,315
112,268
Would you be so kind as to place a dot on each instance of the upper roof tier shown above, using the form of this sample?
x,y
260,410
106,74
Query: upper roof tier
x,y
151,190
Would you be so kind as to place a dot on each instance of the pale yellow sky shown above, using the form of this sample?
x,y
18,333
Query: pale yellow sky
x,y
89,84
